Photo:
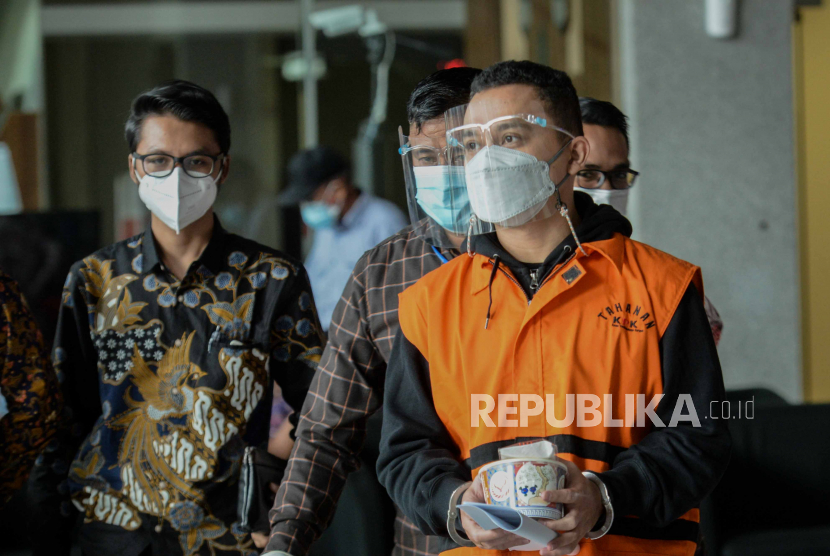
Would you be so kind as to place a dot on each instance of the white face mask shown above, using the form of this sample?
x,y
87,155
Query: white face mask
x,y
508,186
617,198
178,200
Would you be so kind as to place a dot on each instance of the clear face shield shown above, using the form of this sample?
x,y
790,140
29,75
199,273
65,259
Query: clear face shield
x,y
507,160
436,192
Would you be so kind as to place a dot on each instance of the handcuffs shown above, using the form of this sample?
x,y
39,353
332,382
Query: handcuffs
x,y
452,516
452,512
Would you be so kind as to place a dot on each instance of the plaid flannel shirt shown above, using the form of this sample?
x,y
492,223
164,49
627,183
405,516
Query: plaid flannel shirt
x,y
347,389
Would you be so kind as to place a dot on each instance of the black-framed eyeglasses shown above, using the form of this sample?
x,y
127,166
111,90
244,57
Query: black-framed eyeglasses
x,y
162,165
594,179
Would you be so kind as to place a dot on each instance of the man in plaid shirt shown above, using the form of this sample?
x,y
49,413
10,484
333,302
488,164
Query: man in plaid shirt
x,y
348,386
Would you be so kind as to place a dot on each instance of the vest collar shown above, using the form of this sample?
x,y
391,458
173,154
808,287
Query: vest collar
x,y
612,249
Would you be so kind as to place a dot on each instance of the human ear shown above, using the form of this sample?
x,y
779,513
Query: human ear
x,y
579,154
341,191
225,169
131,166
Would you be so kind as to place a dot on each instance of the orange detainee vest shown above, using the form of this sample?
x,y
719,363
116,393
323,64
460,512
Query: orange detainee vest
x,y
593,327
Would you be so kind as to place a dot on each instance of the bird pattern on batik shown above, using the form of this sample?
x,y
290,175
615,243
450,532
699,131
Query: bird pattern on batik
x,y
182,367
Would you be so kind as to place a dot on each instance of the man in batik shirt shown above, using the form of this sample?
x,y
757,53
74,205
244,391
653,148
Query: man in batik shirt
x,y
29,394
168,343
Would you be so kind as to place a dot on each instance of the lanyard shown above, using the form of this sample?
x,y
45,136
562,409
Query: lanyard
x,y
440,256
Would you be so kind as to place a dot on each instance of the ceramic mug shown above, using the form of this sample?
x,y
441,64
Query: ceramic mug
x,y
517,483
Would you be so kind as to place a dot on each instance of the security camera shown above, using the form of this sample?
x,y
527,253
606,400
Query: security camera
x,y
721,18
372,25
338,21
348,19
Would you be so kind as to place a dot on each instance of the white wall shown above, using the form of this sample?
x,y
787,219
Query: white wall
x,y
712,136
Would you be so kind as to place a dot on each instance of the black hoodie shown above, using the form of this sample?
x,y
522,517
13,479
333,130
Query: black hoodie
x,y
668,473
599,222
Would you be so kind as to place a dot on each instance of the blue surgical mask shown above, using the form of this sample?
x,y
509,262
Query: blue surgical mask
x,y
319,215
441,193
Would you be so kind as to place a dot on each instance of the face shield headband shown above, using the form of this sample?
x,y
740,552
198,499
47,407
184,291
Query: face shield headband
x,y
507,185
436,190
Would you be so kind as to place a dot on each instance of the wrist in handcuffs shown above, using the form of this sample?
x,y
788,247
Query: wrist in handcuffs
x,y
459,526
606,520
600,522
454,527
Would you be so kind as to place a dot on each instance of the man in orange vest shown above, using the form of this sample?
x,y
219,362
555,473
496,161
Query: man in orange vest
x,y
555,307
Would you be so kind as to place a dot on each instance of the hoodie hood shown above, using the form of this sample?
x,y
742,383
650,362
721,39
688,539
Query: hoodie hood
x,y
598,223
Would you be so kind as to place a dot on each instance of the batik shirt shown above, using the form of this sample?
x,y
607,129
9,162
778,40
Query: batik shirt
x,y
29,394
172,379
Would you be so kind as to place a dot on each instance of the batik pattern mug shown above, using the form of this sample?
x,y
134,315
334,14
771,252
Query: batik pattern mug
x,y
519,483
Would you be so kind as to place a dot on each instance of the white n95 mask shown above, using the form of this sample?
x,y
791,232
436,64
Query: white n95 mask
x,y
178,200
509,187
617,198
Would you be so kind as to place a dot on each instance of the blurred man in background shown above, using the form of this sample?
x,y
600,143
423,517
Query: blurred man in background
x,y
346,221
348,387
30,400
163,347
607,175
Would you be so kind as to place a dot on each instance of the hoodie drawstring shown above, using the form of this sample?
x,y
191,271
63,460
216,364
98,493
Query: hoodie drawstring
x,y
496,261
563,210
470,252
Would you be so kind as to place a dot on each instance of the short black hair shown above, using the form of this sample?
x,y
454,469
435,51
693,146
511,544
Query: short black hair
x,y
184,100
438,92
601,112
554,87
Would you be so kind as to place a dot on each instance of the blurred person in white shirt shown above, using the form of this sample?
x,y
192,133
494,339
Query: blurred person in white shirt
x,y
346,221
